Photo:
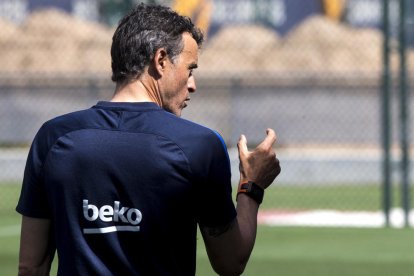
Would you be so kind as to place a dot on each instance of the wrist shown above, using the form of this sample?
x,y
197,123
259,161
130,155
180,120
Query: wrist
x,y
252,190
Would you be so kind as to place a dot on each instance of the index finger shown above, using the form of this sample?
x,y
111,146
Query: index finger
x,y
242,145
269,140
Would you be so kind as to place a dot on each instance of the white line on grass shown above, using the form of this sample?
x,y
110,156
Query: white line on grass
x,y
333,218
10,230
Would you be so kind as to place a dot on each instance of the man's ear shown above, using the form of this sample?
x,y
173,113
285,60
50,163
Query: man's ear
x,y
160,61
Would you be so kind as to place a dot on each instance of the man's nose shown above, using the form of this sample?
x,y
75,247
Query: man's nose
x,y
191,85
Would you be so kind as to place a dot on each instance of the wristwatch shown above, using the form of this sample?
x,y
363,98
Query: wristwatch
x,y
252,190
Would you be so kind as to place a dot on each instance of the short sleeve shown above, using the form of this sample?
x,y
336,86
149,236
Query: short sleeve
x,y
215,206
33,197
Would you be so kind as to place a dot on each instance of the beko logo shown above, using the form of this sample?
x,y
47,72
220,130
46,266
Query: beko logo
x,y
131,216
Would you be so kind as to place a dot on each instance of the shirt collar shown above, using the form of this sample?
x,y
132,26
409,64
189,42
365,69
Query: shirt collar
x,y
128,106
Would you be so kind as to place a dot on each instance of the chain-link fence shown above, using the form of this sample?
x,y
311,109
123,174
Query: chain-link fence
x,y
309,69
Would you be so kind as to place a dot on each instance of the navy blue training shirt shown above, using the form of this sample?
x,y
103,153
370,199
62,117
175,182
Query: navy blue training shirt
x,y
125,185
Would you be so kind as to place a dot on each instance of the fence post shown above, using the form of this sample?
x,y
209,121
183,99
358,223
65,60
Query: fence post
x,y
404,114
386,121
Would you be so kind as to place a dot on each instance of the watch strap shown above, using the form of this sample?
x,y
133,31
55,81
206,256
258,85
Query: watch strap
x,y
252,190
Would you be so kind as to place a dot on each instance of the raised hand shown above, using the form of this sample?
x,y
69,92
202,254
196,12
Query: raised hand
x,y
260,165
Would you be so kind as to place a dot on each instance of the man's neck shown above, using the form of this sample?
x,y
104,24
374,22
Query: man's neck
x,y
131,92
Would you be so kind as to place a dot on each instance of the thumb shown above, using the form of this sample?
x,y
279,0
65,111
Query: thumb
x,y
269,140
242,146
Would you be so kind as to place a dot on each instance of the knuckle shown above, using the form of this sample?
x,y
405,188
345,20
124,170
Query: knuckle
x,y
278,168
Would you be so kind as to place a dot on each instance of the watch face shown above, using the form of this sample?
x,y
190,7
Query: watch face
x,y
256,192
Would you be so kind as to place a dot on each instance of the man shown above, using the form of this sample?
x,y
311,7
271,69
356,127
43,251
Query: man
x,y
119,189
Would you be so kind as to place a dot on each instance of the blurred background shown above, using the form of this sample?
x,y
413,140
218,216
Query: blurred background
x,y
313,70
332,77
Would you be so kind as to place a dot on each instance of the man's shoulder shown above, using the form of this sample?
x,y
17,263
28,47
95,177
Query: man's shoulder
x,y
62,124
185,130
197,141
53,129
69,118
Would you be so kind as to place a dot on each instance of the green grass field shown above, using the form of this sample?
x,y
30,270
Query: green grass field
x,y
339,197
287,251
328,251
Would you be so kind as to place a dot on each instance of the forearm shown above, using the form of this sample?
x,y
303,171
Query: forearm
x,y
36,247
229,249
31,270
247,210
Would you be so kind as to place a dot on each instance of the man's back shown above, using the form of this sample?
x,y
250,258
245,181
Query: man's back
x,y
125,185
